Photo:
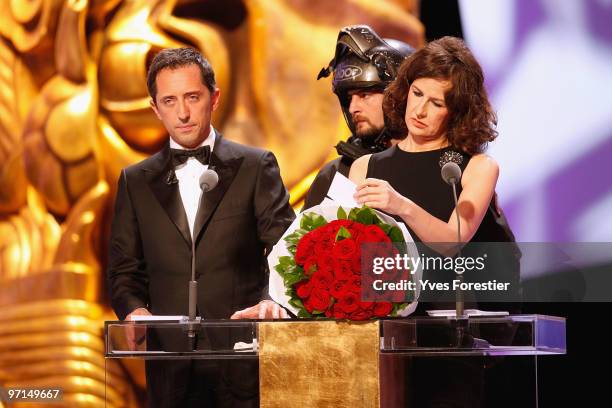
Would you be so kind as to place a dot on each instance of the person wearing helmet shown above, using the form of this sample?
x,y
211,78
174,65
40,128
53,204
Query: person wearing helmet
x,y
363,65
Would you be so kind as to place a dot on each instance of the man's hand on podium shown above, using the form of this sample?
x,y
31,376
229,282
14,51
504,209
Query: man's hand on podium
x,y
266,309
135,335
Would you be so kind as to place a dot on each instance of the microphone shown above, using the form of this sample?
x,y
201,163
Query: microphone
x,y
451,174
208,180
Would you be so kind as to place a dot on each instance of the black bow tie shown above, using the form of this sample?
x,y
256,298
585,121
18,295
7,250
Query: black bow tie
x,y
180,156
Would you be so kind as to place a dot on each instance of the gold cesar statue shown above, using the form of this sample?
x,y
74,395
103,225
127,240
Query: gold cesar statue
x,y
74,111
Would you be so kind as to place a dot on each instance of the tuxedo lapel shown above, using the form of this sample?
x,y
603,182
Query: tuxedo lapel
x,y
226,164
162,181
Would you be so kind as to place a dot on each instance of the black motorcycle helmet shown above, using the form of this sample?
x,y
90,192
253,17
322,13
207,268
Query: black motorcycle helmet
x,y
363,60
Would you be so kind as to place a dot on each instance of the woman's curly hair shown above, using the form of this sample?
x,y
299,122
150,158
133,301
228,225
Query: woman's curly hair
x,y
471,121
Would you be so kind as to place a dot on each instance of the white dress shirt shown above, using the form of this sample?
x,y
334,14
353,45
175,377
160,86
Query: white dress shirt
x,y
188,175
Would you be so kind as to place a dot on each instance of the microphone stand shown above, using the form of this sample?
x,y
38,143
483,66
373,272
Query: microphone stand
x,y
459,303
461,322
193,321
451,174
208,181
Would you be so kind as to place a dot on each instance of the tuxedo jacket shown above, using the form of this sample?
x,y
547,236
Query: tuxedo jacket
x,y
237,223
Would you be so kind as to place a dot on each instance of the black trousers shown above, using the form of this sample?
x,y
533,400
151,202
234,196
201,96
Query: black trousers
x,y
202,383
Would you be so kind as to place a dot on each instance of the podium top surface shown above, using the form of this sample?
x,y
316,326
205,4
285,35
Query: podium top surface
x,y
416,336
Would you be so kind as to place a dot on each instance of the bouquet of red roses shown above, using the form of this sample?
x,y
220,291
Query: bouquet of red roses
x,y
322,273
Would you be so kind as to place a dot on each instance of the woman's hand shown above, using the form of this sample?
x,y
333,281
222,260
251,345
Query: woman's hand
x,y
379,194
478,185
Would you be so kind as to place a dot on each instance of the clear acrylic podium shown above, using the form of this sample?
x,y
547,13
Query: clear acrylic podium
x,y
378,348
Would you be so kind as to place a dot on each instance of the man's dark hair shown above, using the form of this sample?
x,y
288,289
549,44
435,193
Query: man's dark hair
x,y
173,58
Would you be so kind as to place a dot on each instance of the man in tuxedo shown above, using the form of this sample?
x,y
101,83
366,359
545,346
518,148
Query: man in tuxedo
x,y
160,209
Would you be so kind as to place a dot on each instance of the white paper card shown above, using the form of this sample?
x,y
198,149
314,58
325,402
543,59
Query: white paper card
x,y
342,190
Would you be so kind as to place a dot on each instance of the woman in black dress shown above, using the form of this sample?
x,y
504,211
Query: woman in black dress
x,y
439,97
439,100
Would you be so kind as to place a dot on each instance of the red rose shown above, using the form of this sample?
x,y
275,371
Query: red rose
x,y
396,295
356,230
338,313
356,227
303,289
327,231
377,232
308,306
356,264
349,302
368,306
368,253
369,294
344,249
326,262
334,226
317,233
337,224
319,299
373,234
384,250
305,248
354,284
322,279
324,246
339,288
367,280
382,309
343,270
360,314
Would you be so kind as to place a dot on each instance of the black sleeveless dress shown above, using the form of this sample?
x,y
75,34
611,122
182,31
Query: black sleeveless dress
x,y
416,175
